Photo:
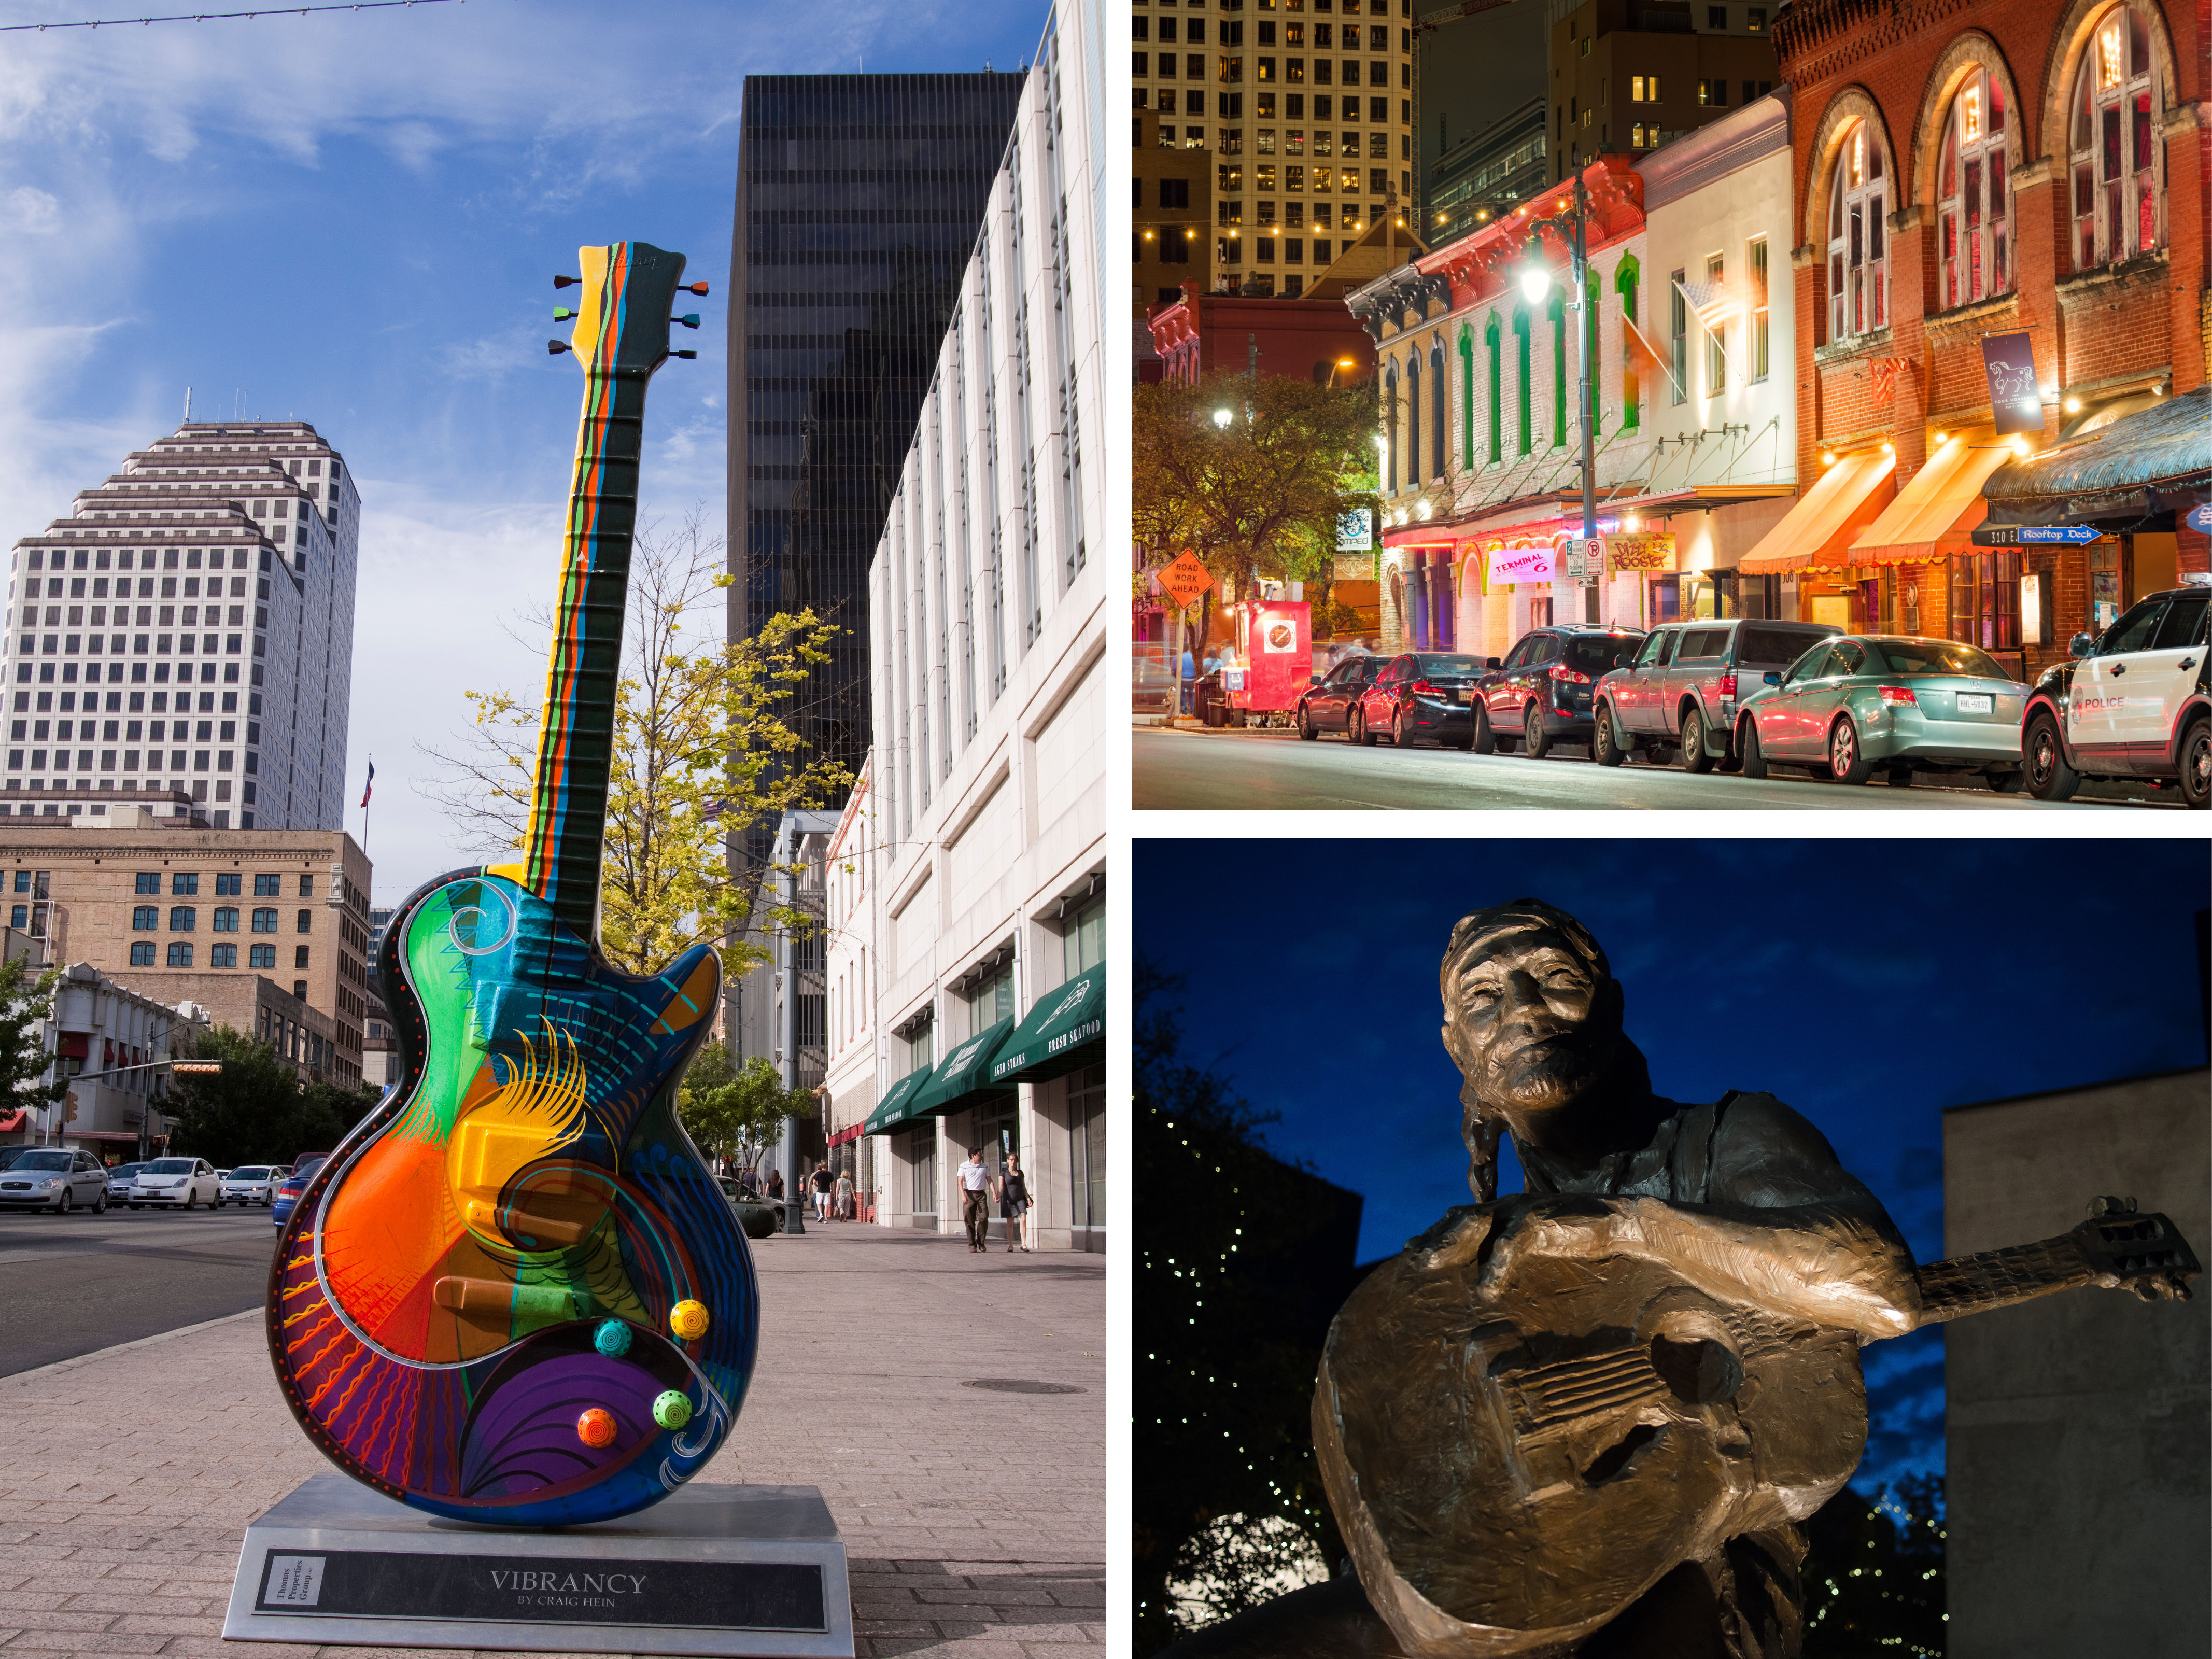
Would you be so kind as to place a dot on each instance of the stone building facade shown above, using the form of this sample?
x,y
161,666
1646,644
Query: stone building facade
x,y
267,930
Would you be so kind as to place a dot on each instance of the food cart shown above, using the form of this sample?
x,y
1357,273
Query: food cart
x,y
1274,656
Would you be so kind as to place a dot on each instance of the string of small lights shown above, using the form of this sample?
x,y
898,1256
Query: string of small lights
x,y
219,16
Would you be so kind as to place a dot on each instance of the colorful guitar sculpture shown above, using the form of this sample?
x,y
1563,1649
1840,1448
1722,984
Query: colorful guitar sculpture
x,y
515,1293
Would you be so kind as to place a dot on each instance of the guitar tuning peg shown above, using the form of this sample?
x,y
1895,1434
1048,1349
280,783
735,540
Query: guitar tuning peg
x,y
567,282
2102,1207
683,353
563,314
690,319
699,289
555,347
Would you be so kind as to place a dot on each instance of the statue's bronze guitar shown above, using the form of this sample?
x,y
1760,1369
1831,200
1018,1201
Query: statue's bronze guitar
x,y
1473,1444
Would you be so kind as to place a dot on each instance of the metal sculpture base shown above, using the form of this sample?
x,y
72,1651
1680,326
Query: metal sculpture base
x,y
712,1570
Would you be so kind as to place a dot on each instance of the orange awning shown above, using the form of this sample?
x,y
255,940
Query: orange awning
x,y
1935,513
1818,531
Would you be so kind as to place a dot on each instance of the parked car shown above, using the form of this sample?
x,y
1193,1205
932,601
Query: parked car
x,y
1540,693
56,1178
1862,703
1685,683
2134,702
1326,704
290,1189
757,1217
252,1183
120,1180
1423,694
185,1182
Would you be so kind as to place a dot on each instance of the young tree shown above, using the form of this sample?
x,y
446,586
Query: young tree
x,y
26,999
703,753
735,1112
253,1111
1263,489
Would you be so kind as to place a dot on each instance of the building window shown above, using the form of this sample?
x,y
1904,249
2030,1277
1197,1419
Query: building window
x,y
1643,88
181,883
183,919
1757,251
264,921
305,922
225,919
1972,195
262,956
1755,20
1858,263
141,956
2119,203
1985,599
299,956
226,886
222,956
306,887
267,886
1713,93
144,918
1715,338
150,881
180,955
1678,316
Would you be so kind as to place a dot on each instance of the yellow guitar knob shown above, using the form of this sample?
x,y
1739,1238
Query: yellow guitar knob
x,y
688,1319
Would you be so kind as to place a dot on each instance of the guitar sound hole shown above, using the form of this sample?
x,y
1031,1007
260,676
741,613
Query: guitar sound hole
x,y
1698,1373
1614,1458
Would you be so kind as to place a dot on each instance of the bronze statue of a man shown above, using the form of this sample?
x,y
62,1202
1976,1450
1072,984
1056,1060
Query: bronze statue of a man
x,y
1586,1419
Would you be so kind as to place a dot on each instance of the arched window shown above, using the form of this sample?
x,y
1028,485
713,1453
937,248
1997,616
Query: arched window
x,y
1390,430
1526,434
1858,238
2119,203
1438,387
1555,307
1492,336
1625,278
1413,418
1973,196
1466,396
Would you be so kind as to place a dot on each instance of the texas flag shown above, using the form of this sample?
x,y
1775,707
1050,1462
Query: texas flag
x,y
369,787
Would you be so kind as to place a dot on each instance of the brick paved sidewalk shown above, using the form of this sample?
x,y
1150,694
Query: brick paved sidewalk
x,y
974,1520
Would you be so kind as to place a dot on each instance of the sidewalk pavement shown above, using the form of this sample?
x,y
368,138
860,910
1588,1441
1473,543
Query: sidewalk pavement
x,y
974,1519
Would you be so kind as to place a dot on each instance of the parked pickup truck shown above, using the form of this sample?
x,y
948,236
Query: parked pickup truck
x,y
1681,691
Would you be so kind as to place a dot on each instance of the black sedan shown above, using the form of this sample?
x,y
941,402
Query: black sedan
x,y
1326,704
1423,694
1539,694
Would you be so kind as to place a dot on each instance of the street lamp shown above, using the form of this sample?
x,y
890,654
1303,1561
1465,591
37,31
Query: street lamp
x,y
1341,362
1222,418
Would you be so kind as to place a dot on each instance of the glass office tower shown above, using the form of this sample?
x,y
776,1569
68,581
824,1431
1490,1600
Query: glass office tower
x,y
859,201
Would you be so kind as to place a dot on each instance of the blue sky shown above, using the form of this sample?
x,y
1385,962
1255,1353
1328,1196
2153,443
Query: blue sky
x,y
353,218
1869,984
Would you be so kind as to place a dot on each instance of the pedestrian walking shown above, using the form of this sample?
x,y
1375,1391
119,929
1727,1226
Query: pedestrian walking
x,y
843,1197
1014,1204
974,1212
823,1182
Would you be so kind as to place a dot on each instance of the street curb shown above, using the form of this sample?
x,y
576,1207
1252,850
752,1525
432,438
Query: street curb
x,y
61,1365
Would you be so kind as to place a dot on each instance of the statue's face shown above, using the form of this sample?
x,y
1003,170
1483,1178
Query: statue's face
x,y
1531,1021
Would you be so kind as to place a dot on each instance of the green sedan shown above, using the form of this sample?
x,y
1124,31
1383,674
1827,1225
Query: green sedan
x,y
1862,703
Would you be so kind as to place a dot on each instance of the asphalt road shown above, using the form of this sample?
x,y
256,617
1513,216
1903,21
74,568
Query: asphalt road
x,y
1272,769
81,1282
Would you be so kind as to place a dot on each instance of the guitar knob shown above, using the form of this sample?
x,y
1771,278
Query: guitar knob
x,y
688,1319
671,1410
611,1339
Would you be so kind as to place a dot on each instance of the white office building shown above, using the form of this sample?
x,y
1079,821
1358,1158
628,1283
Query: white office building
x,y
966,880
183,640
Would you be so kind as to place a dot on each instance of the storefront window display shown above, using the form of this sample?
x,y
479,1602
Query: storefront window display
x,y
1985,599
1086,1118
2104,585
921,1155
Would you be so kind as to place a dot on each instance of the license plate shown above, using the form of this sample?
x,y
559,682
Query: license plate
x,y
1461,696
1974,703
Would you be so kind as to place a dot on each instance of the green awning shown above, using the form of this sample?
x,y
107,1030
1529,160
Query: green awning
x,y
1065,1031
896,1107
965,1079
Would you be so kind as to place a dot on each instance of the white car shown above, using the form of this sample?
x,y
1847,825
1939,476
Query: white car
x,y
250,1183
56,1178
183,1182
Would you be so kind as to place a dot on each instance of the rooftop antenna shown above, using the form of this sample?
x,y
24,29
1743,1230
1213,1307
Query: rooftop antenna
x,y
188,406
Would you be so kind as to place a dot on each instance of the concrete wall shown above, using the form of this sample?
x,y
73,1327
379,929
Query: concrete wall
x,y
2078,1424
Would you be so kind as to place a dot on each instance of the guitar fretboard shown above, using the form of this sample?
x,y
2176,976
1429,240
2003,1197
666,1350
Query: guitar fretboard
x,y
1999,1278
575,754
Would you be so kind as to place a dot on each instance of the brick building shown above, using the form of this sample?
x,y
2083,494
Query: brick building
x,y
267,930
1303,337
2001,166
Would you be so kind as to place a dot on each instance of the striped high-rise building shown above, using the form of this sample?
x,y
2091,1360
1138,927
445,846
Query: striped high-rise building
x,y
183,640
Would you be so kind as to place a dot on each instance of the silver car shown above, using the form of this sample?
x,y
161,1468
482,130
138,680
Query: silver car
x,y
250,1183
182,1181
56,1178
1866,703
120,1180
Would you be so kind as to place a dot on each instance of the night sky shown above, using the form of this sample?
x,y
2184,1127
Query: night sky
x,y
1869,984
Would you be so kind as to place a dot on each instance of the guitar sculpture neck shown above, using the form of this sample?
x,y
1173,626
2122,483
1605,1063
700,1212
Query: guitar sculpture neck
x,y
2115,1248
621,337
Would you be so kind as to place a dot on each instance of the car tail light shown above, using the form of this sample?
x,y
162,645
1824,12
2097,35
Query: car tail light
x,y
1899,696
1728,685
1561,672
1423,689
